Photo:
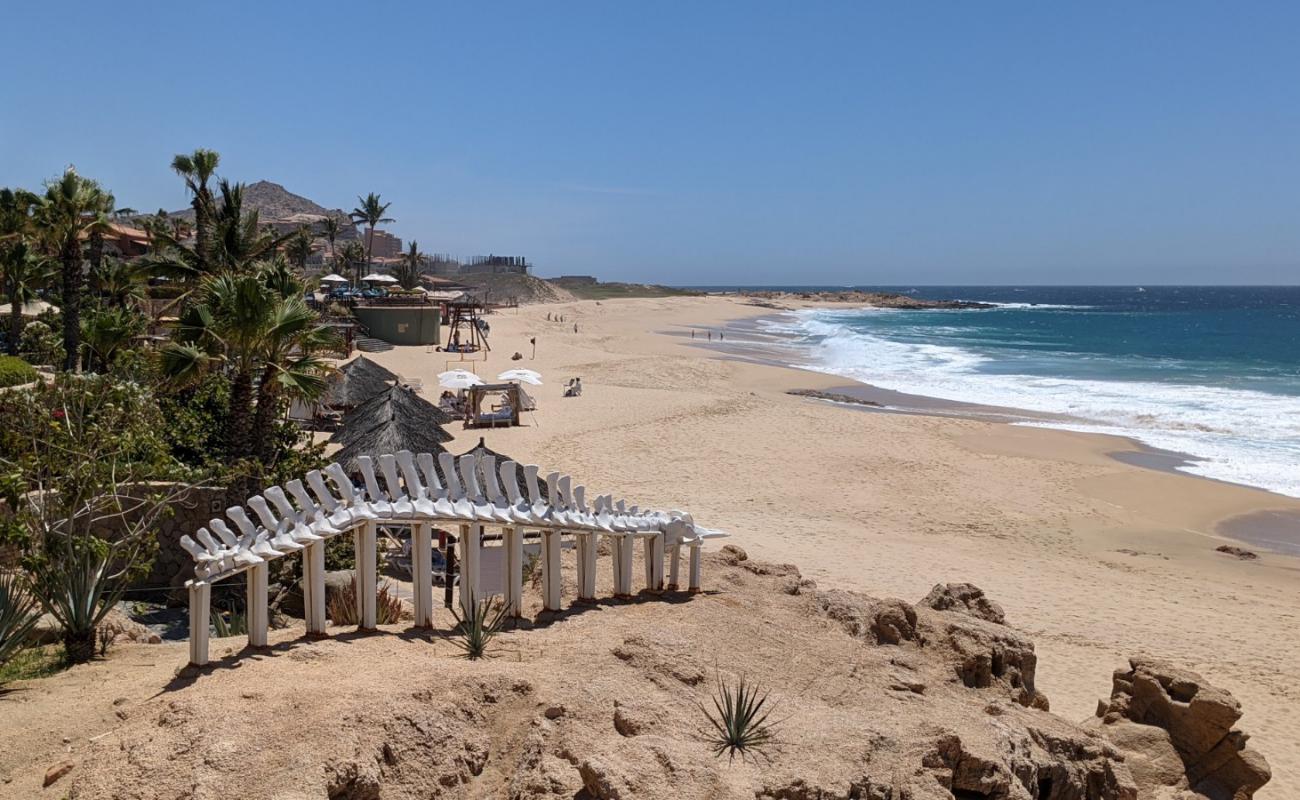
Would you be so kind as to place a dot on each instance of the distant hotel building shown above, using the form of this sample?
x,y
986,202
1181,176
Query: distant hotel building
x,y
496,265
385,245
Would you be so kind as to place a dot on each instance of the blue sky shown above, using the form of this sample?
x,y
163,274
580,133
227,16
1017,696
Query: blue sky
x,y
696,143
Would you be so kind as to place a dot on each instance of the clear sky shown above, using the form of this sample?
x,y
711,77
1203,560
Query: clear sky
x,y
708,142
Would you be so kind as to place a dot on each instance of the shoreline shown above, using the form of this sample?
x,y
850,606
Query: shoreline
x,y
1262,527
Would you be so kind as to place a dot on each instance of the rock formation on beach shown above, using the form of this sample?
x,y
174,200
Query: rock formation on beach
x,y
1178,731
874,699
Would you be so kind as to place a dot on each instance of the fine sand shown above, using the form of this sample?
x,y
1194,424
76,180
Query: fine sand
x,y
1094,558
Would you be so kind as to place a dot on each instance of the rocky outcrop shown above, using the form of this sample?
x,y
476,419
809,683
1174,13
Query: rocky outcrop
x,y
1180,730
966,598
985,654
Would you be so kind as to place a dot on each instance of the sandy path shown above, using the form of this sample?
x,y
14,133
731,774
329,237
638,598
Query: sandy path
x,y
893,504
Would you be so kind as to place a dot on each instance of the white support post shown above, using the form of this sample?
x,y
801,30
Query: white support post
x,y
367,577
551,570
471,538
674,566
694,584
200,613
626,546
313,588
587,567
255,609
654,563
514,544
422,573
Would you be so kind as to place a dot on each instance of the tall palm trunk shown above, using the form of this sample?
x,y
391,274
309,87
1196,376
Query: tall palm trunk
x,y
370,245
73,282
15,318
268,409
239,435
202,234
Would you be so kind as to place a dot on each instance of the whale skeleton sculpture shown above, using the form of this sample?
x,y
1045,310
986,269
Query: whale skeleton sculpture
x,y
409,490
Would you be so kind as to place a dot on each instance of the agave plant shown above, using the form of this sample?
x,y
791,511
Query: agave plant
x,y
475,632
341,607
231,622
740,727
18,614
79,589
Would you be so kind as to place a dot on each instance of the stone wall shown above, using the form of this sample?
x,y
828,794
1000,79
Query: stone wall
x,y
173,566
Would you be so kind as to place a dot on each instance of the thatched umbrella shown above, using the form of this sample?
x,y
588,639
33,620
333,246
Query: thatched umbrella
x,y
389,437
394,404
481,449
356,382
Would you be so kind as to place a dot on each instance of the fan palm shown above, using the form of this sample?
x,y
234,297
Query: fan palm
x,y
299,248
71,208
25,270
197,169
117,282
408,271
371,212
354,257
255,325
106,332
18,260
330,229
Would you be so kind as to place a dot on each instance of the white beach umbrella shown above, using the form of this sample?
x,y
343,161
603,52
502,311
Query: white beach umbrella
x,y
375,277
459,379
333,277
521,375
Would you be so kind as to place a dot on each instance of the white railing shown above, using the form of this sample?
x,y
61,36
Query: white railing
x,y
409,490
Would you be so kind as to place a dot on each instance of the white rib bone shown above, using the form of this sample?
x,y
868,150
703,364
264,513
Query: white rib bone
x,y
401,498
442,506
468,467
358,510
492,490
379,502
299,520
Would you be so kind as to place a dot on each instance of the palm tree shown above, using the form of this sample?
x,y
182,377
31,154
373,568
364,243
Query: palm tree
x,y
72,208
106,332
255,325
118,282
330,229
25,270
299,248
17,259
197,169
354,257
408,271
371,212
95,251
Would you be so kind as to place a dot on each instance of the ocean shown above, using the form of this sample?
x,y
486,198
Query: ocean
x,y
1209,372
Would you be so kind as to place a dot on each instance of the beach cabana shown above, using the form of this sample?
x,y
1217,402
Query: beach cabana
x,y
396,404
505,401
356,382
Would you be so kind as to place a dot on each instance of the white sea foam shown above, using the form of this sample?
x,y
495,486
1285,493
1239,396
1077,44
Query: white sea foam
x,y
1237,435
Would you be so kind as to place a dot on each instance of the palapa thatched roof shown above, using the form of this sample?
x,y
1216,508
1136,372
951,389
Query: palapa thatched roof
x,y
482,449
394,404
356,382
390,437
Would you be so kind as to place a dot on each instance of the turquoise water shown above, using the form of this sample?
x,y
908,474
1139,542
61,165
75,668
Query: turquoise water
x,y
1213,372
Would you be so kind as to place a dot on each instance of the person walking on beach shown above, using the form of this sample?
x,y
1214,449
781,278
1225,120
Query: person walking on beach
x,y
710,336
692,333
575,327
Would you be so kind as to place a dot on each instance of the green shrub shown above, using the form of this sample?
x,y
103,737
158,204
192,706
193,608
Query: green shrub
x,y
15,371
40,344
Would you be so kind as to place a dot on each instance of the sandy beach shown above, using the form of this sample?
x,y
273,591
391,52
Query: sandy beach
x,y
1096,559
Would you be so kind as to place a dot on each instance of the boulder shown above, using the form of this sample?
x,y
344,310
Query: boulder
x,y
964,598
986,655
1157,710
888,621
